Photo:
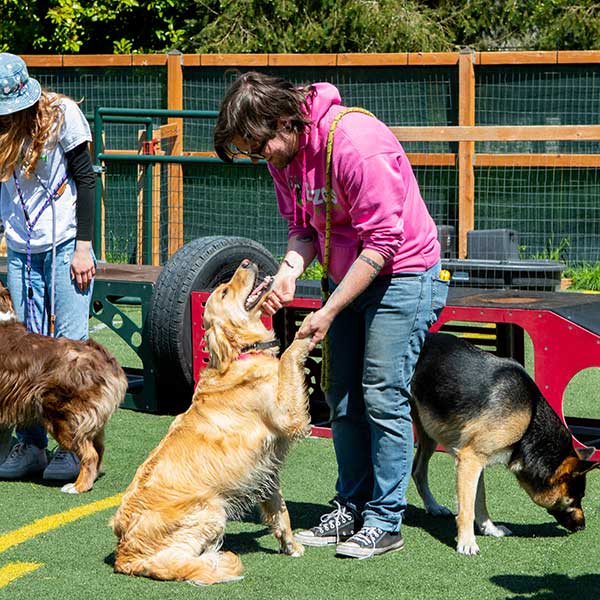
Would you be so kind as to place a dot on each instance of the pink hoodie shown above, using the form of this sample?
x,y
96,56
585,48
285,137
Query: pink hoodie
x,y
376,198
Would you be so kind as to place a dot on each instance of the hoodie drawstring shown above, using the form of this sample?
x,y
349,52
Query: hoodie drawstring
x,y
303,188
302,191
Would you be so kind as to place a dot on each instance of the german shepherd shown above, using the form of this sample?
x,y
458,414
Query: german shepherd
x,y
487,410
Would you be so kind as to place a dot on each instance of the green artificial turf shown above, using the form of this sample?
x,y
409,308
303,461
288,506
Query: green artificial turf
x,y
540,561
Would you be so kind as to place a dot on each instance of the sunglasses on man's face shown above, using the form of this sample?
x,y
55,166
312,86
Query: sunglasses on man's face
x,y
253,154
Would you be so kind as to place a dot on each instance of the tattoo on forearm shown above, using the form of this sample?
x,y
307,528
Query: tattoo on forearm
x,y
370,262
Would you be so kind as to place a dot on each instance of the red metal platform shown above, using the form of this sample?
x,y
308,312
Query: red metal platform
x,y
564,329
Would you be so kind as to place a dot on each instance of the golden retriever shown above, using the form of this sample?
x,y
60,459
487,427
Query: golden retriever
x,y
70,387
224,453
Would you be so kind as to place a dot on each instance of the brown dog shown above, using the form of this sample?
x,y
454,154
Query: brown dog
x,y
70,387
223,454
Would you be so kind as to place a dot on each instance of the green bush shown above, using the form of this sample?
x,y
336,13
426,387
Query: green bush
x,y
585,276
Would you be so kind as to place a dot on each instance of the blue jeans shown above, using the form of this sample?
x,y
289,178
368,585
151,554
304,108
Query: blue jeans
x,y
71,307
374,345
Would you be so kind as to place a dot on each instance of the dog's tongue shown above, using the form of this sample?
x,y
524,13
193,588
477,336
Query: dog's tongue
x,y
258,291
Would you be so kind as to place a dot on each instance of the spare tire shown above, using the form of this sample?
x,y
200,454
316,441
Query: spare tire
x,y
200,265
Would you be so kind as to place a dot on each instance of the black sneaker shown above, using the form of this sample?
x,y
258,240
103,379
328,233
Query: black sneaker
x,y
335,527
23,460
370,541
64,466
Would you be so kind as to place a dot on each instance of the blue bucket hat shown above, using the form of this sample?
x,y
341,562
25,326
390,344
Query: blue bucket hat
x,y
18,91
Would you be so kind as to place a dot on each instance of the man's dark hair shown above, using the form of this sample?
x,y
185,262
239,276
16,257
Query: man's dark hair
x,y
252,106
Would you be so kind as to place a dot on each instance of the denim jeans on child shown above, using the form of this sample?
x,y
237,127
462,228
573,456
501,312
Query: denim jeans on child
x,y
71,308
374,345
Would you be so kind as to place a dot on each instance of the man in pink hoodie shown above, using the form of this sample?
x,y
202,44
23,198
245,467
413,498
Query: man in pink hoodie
x,y
383,275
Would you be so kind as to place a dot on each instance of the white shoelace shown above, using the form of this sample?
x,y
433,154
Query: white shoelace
x,y
368,536
17,450
337,514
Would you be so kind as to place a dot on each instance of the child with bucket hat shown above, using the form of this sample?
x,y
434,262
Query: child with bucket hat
x,y
47,191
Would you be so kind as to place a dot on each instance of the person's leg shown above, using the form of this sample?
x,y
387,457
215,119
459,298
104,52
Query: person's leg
x,y
396,326
349,428
350,433
31,312
398,313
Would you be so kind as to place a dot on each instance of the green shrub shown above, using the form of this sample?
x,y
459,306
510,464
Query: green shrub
x,y
585,276
313,272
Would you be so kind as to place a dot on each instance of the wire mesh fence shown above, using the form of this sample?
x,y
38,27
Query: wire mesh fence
x,y
551,205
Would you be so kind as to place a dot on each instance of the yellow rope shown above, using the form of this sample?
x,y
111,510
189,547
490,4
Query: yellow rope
x,y
325,363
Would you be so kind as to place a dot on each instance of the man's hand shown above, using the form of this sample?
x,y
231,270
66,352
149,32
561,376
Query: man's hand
x,y
317,327
281,294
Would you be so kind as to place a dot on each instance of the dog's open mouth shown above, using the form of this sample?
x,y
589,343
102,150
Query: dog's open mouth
x,y
258,292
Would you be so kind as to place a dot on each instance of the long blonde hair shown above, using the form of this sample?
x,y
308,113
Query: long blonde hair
x,y
24,134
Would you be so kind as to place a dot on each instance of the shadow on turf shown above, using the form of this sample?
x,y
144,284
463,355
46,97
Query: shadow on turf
x,y
39,480
444,528
304,515
549,587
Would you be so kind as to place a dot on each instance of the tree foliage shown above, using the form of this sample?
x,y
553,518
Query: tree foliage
x,y
91,26
289,26
523,24
312,26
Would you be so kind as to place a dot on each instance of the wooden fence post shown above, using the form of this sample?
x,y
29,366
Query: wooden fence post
x,y
466,150
175,171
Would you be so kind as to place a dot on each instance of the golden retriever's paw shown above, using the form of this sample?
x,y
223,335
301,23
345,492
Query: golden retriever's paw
x,y
293,548
306,320
298,349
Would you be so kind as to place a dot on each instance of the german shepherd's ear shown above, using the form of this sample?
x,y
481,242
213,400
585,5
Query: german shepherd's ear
x,y
585,465
585,453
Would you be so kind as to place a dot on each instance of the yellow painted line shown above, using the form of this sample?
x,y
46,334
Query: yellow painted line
x,y
15,570
18,536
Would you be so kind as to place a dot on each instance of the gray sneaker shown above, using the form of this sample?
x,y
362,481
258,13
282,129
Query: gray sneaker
x,y
334,527
23,460
64,466
370,541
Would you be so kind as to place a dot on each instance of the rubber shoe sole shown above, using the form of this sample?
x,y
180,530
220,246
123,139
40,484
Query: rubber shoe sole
x,y
307,538
355,551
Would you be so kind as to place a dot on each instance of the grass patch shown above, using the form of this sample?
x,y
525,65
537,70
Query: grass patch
x,y
539,561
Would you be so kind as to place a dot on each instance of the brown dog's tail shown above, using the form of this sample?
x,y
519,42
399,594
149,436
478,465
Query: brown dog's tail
x,y
174,565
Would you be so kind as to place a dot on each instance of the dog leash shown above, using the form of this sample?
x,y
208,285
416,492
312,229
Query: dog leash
x,y
51,196
325,360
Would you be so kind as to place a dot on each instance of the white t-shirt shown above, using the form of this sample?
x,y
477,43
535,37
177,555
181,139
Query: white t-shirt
x,y
50,170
